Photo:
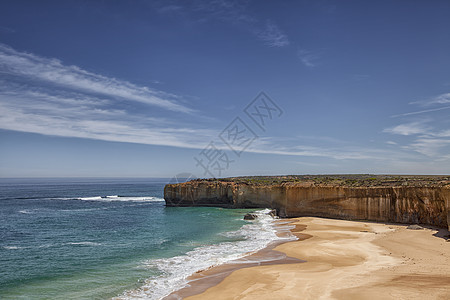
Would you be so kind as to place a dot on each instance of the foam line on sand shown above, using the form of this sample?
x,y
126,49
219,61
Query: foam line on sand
x,y
346,260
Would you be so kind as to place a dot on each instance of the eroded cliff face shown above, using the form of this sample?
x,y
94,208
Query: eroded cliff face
x,y
402,204
447,204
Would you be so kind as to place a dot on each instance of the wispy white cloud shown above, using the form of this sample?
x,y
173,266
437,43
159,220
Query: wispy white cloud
x,y
85,117
334,149
431,147
431,143
272,36
308,58
53,72
44,96
443,133
421,112
412,128
234,12
171,8
440,99
427,135
312,152
29,113
4,29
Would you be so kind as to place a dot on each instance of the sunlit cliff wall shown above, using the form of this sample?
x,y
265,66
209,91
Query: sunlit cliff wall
x,y
402,204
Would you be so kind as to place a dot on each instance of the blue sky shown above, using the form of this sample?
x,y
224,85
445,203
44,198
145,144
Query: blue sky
x,y
150,88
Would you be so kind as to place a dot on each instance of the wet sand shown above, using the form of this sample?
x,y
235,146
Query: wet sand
x,y
204,279
336,259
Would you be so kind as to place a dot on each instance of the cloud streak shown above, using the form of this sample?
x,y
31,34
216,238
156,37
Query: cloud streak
x,y
420,112
273,36
233,12
308,58
431,147
412,128
63,116
73,115
424,134
440,99
44,96
42,70
26,113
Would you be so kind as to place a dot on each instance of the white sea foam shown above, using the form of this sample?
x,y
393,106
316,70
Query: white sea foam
x,y
257,235
47,245
11,247
28,211
85,243
117,198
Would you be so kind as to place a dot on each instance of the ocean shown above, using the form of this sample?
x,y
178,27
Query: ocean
x,y
112,238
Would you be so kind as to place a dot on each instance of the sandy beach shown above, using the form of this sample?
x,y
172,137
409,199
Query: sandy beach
x,y
336,259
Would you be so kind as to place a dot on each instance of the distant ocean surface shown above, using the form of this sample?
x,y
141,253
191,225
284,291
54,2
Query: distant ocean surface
x,y
106,238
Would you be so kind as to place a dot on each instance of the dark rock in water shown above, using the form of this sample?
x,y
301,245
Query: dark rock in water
x,y
273,213
414,227
250,216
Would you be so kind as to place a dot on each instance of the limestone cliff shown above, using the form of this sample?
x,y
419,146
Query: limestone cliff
x,y
379,199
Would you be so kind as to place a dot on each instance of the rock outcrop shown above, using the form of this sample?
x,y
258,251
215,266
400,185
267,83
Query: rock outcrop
x,y
414,203
250,216
414,227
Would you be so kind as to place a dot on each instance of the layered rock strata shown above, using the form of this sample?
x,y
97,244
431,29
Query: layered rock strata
x,y
400,203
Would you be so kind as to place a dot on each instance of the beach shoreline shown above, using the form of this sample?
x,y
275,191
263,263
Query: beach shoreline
x,y
204,279
336,259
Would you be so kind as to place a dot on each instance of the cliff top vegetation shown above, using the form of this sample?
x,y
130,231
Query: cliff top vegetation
x,y
353,180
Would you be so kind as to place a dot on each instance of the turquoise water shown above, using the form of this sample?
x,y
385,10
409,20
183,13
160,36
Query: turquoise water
x,y
104,238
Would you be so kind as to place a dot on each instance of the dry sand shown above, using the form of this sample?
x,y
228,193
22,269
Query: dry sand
x,y
346,260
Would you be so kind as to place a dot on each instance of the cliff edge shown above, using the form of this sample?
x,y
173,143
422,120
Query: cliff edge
x,y
386,198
